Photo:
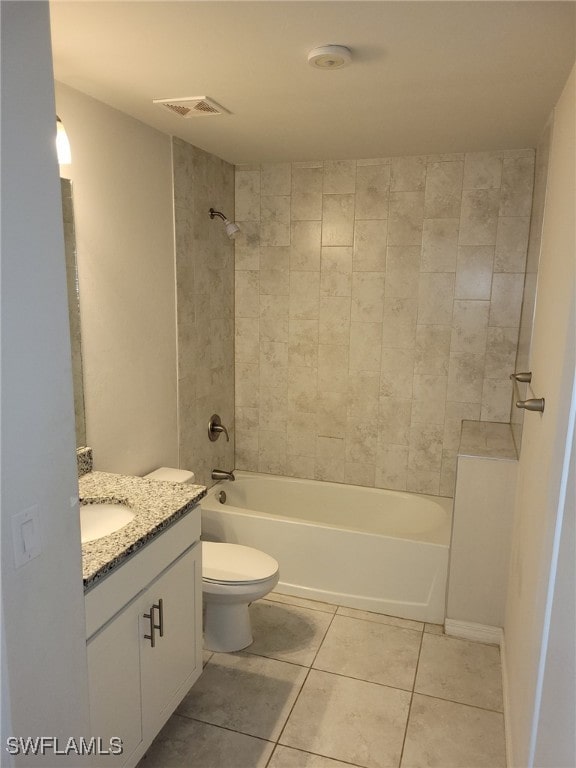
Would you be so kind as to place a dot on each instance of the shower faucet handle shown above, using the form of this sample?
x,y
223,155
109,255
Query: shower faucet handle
x,y
215,428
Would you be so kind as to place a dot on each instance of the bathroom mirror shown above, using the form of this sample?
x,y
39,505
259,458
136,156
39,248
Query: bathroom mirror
x,y
73,309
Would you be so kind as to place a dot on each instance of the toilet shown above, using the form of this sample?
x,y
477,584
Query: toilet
x,y
233,576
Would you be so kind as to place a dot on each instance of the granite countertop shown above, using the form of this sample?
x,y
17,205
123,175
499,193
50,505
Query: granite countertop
x,y
157,505
487,439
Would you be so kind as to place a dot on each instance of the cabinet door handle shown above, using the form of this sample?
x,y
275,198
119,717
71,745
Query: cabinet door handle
x,y
152,635
160,626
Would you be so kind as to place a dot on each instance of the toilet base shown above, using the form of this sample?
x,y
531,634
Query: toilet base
x,y
226,627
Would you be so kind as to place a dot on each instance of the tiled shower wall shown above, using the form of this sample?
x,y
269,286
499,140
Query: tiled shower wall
x,y
205,307
377,305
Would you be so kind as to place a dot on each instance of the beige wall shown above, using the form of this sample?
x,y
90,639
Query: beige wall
x,y
205,307
377,305
122,187
543,472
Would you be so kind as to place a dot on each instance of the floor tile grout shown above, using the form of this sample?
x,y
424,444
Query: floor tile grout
x,y
411,700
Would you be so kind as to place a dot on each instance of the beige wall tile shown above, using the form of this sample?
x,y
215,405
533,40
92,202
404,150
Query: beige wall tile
x,y
397,373
465,377
455,413
273,410
333,367
425,447
496,400
365,346
408,174
302,389
247,385
469,327
339,177
361,441
516,191
506,300
247,195
359,473
367,313
305,245
247,246
338,220
275,220
331,414
330,459
435,298
394,419
334,325
511,244
479,217
500,352
370,239
399,326
247,340
272,452
372,191
304,295
474,271
406,218
402,271
303,343
276,178
443,190
367,297
439,245
247,293
392,466
432,349
482,170
362,395
423,481
301,435
448,473
306,204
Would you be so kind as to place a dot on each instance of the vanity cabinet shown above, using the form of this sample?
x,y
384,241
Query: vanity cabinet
x,y
143,659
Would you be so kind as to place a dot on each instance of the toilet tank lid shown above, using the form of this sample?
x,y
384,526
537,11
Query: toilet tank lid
x,y
171,475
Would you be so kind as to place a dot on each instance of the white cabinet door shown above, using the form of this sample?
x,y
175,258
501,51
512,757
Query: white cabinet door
x,y
174,663
114,684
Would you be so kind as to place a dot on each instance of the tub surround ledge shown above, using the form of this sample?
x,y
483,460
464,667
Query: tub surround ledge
x,y
157,505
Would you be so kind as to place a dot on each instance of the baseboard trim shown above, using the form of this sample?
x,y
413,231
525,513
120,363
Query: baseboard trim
x,y
468,630
506,700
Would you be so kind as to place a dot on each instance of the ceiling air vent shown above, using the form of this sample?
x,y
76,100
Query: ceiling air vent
x,y
191,106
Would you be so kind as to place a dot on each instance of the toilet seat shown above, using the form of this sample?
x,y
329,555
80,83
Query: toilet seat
x,y
224,563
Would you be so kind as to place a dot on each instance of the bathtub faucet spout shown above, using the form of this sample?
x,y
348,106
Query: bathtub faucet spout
x,y
221,474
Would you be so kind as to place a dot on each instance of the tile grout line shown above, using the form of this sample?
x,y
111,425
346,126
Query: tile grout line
x,y
411,698
302,687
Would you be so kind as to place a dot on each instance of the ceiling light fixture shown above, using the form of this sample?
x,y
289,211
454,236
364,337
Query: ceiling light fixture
x,y
330,57
62,144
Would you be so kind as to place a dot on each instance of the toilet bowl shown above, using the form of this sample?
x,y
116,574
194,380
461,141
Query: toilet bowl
x,y
233,576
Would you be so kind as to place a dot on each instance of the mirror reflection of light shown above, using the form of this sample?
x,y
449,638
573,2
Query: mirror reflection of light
x,y
62,144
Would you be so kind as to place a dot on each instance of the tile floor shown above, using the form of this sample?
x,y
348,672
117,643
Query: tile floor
x,y
329,687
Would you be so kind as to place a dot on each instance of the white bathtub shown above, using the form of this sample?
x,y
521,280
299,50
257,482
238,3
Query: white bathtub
x,y
378,550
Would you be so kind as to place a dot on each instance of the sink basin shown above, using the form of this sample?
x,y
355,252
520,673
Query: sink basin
x,y
97,520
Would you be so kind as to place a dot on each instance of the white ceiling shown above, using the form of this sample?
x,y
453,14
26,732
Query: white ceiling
x,y
427,77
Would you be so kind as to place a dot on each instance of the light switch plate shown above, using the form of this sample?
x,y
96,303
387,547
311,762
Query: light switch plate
x,y
26,538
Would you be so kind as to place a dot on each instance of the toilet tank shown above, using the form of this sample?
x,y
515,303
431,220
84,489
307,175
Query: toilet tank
x,y
171,475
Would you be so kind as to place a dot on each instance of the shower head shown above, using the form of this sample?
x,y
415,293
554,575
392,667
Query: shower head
x,y
231,227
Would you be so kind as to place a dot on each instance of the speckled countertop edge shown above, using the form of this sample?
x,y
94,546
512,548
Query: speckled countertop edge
x,y
157,505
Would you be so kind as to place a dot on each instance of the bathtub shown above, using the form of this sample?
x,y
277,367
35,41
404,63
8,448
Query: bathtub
x,y
377,550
